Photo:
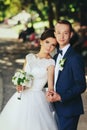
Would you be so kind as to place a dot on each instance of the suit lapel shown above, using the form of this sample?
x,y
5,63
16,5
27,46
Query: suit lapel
x,y
67,54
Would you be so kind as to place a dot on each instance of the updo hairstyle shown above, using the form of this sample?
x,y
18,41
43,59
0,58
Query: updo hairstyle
x,y
48,33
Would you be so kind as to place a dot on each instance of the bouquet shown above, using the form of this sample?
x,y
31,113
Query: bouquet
x,y
23,79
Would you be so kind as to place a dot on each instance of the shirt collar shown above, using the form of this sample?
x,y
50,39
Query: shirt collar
x,y
65,49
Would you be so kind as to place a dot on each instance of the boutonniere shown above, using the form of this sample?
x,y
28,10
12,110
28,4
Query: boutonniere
x,y
61,64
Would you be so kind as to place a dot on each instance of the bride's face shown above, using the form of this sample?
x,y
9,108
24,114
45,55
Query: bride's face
x,y
48,45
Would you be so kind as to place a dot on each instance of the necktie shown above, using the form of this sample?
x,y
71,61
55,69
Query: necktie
x,y
60,52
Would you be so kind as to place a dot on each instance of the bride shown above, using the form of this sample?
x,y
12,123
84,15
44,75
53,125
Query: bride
x,y
33,112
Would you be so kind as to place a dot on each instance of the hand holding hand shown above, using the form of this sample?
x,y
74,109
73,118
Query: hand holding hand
x,y
56,97
52,96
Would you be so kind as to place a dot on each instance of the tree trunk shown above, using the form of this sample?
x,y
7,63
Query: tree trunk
x,y
58,7
83,15
50,14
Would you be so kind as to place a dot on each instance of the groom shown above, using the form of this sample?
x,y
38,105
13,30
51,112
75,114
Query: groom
x,y
69,80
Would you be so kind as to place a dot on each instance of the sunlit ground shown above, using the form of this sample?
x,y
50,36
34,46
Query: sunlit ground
x,y
12,53
8,33
12,32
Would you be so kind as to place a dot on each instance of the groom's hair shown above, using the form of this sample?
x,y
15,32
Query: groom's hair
x,y
67,23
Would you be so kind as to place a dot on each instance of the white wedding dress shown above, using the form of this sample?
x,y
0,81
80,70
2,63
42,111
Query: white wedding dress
x,y
32,112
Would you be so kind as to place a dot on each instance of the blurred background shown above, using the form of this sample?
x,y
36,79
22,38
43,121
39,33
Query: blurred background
x,y
21,18
21,24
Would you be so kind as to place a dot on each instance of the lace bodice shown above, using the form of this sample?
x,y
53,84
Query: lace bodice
x,y
38,68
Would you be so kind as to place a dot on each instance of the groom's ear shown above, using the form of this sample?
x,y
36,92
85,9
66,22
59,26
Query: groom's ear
x,y
71,34
54,33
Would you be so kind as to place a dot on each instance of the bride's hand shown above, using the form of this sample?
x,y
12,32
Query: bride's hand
x,y
49,96
20,88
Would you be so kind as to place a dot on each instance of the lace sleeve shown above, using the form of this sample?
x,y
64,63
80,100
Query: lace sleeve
x,y
51,62
29,57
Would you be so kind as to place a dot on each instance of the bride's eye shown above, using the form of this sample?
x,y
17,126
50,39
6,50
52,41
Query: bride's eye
x,y
47,42
53,45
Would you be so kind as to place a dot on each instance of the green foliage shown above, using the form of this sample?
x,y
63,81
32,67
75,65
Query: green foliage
x,y
47,9
9,8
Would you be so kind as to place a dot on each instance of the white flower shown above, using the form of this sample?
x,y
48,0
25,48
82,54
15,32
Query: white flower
x,y
61,64
21,78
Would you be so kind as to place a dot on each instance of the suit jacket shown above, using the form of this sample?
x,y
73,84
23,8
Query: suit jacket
x,y
70,84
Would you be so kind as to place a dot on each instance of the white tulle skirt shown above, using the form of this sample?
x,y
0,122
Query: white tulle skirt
x,y
32,112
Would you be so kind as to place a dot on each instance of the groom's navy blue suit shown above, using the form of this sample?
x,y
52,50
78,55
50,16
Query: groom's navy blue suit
x,y
70,84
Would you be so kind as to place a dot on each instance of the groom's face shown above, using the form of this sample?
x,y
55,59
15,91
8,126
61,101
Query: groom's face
x,y
63,34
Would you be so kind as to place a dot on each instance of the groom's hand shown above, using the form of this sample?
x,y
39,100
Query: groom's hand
x,y
53,96
56,97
